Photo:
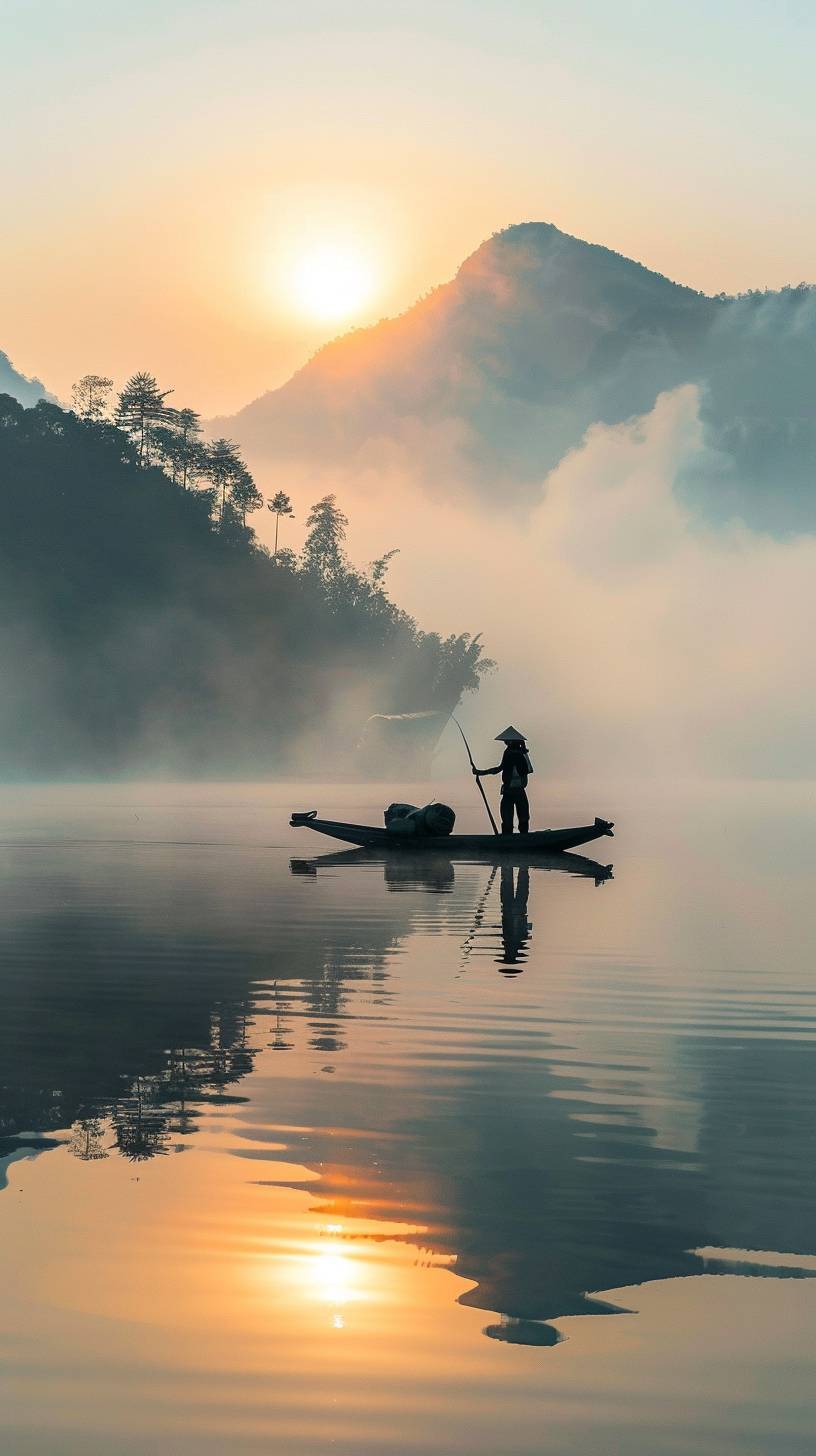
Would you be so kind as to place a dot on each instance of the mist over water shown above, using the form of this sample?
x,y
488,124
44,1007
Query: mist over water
x,y
632,636
305,1149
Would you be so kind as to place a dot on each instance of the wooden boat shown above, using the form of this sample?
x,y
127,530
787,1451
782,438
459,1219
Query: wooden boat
x,y
551,841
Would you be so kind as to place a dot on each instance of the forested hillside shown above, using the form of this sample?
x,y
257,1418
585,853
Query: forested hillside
x,y
143,629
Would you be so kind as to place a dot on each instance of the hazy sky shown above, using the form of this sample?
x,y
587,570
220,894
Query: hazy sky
x,y
168,165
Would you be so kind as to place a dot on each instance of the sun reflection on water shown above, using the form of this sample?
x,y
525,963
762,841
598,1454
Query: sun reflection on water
x,y
334,1276
327,1270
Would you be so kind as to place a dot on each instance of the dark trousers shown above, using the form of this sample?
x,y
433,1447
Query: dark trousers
x,y
515,799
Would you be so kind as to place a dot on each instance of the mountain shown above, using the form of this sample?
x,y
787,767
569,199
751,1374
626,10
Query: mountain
x,y
25,391
488,381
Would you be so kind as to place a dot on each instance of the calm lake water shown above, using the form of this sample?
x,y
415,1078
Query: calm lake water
x,y
405,1158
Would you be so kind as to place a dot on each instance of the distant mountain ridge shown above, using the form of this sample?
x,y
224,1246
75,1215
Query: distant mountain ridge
x,y
25,391
488,381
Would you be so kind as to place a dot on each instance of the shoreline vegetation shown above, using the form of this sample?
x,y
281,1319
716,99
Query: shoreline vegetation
x,y
145,630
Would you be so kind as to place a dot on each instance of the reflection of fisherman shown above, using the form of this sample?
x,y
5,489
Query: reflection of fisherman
x,y
515,769
515,927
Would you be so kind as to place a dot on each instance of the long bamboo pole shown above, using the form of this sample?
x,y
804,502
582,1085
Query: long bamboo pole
x,y
478,780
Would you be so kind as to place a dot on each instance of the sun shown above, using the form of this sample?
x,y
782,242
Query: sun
x,y
331,281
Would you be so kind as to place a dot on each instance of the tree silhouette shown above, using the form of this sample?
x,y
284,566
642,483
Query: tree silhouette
x,y
140,407
178,446
188,426
223,467
280,505
90,396
324,550
245,495
379,568
167,445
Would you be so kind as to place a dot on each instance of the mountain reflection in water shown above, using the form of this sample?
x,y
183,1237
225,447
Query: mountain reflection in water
x,y
586,1132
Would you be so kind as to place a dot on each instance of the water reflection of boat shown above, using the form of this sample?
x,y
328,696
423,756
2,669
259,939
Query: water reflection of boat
x,y
369,836
432,868
435,871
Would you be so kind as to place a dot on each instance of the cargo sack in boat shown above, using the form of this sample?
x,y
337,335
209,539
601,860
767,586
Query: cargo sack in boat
x,y
399,811
438,819
431,821
406,826
399,818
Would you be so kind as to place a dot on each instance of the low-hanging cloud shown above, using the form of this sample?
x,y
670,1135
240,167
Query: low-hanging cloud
x,y
631,638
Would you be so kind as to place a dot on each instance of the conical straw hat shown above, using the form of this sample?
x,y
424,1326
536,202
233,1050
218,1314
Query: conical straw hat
x,y
510,735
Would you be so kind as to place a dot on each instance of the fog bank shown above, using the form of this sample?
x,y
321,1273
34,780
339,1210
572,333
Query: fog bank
x,y
631,637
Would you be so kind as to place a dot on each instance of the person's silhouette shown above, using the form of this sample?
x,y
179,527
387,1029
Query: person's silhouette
x,y
515,769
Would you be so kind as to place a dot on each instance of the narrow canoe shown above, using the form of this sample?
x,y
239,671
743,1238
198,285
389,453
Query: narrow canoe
x,y
552,841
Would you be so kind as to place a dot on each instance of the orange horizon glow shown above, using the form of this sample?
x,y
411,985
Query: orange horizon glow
x,y
409,147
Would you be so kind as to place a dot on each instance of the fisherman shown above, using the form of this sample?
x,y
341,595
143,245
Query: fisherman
x,y
515,769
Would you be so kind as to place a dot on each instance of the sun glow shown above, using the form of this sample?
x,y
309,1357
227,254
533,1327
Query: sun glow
x,y
333,1277
332,281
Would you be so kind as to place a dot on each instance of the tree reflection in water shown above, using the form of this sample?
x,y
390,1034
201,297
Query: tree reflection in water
x,y
493,1152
